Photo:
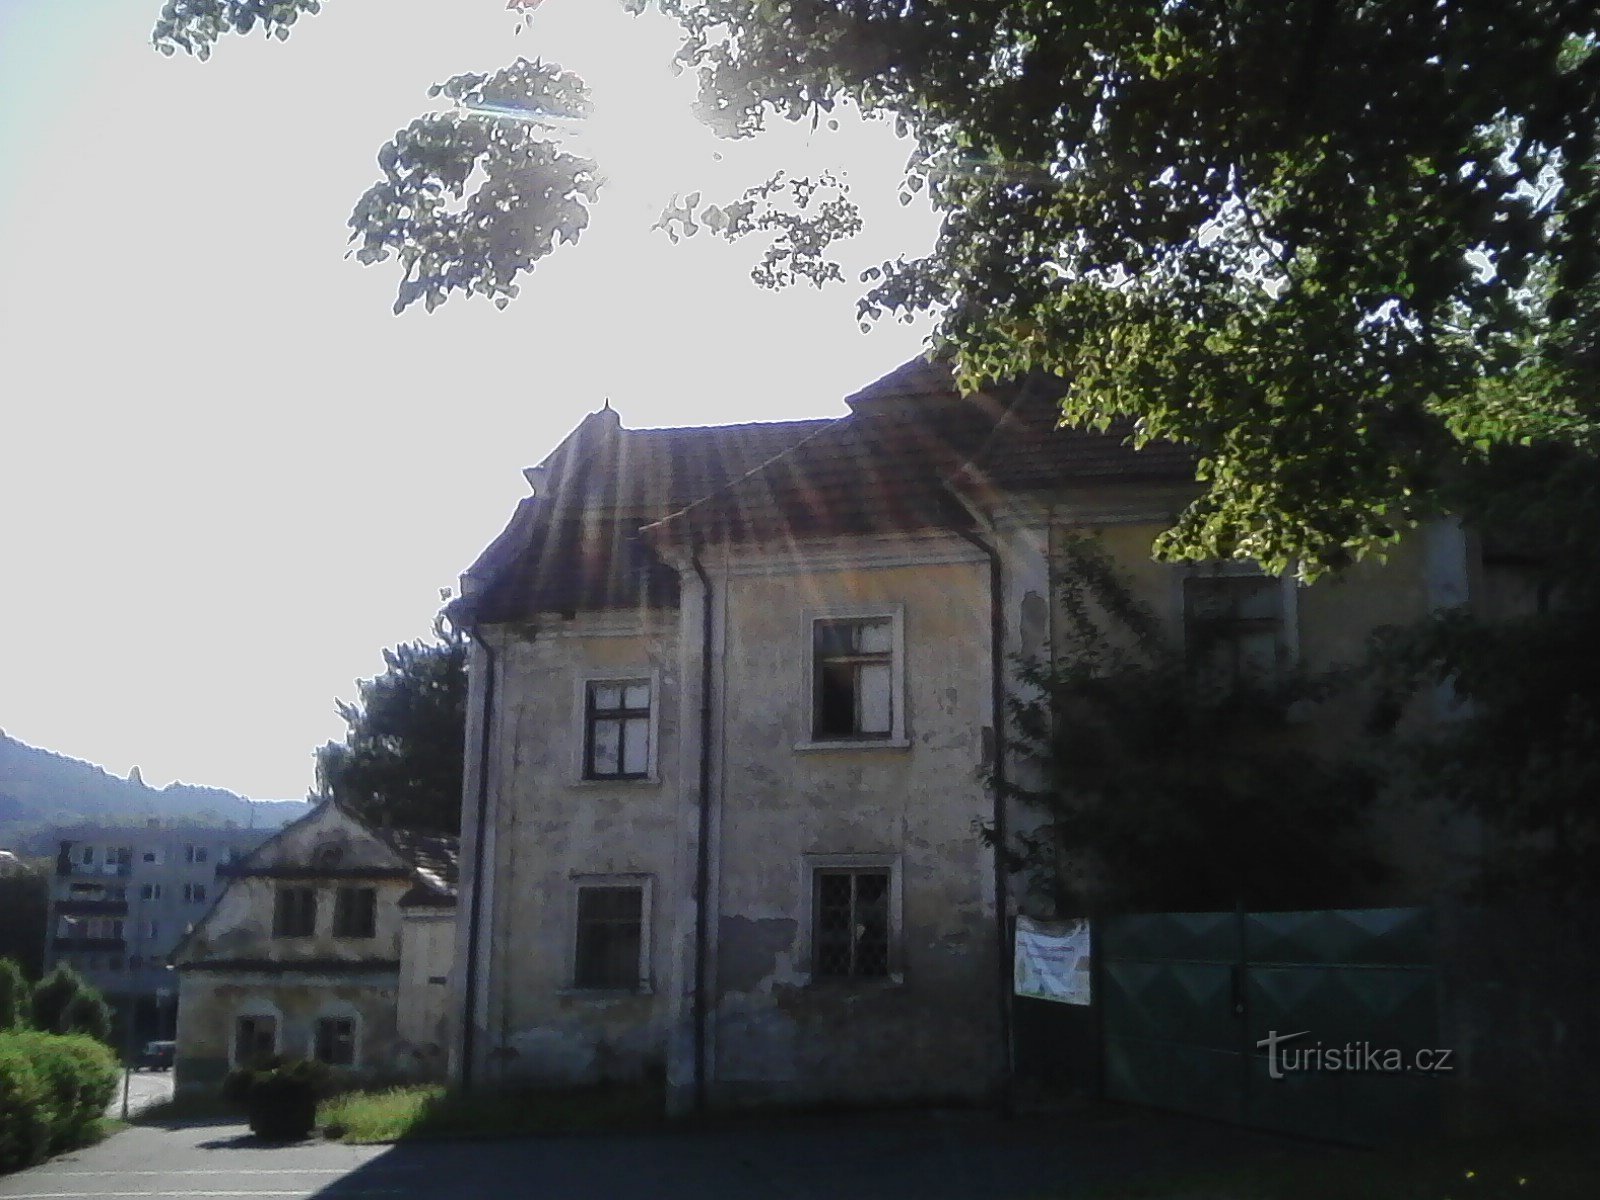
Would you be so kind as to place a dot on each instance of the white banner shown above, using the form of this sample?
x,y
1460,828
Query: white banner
x,y
1052,960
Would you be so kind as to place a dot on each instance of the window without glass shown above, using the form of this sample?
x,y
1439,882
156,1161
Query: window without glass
x,y
852,678
610,938
1234,624
335,1041
294,912
850,925
253,1038
355,912
616,743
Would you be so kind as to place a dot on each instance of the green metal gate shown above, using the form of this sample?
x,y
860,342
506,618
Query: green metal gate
x,y
1188,999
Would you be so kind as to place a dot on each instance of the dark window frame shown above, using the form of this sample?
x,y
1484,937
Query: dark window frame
x,y
828,722
254,1023
1216,641
294,911
859,951
333,1041
355,912
621,716
597,965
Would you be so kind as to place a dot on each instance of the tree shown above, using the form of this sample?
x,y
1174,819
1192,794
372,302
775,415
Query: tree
x,y
1342,249
1157,782
63,1002
25,899
401,761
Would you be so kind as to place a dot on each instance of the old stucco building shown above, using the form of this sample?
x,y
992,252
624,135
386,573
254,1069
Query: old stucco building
x,y
734,706
332,941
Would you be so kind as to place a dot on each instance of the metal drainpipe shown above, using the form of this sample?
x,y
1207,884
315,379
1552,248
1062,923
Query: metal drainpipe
x,y
1001,881
475,910
702,871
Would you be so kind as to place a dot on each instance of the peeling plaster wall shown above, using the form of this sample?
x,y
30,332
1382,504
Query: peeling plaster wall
x,y
551,827
929,1030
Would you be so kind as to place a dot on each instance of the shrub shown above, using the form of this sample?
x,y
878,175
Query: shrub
x,y
24,1109
279,1095
64,1003
78,1075
88,1013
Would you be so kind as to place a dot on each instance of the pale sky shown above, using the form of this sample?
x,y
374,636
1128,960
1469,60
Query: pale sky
x,y
228,476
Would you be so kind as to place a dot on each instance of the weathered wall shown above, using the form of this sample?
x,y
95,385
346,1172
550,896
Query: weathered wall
x,y
550,827
930,1029
209,1005
427,957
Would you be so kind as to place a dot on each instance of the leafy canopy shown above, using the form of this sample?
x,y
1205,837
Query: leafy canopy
x,y
1343,249
401,761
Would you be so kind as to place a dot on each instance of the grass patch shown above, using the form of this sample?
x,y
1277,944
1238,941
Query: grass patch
x,y
1551,1165
417,1112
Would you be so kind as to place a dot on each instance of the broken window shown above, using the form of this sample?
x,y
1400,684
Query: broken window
x,y
853,678
254,1037
850,924
294,912
355,912
335,1041
610,938
1234,624
616,742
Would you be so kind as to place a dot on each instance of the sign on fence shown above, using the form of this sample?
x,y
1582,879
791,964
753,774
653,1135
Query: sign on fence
x,y
1052,960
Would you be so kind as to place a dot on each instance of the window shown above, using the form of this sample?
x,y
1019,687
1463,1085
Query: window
x,y
254,1037
616,739
1234,623
335,1041
150,891
86,856
193,854
152,856
294,912
194,893
610,938
355,912
852,679
105,929
850,924
327,858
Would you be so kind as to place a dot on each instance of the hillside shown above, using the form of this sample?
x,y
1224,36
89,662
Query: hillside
x,y
39,789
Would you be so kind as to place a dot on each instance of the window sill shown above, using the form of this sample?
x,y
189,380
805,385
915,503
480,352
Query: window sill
x,y
867,983
895,743
605,994
622,782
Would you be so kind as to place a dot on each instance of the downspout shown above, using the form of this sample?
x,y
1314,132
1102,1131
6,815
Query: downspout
x,y
702,870
475,909
1002,902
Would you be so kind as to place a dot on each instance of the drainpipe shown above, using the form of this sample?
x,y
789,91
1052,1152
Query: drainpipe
x,y
702,869
475,909
1002,883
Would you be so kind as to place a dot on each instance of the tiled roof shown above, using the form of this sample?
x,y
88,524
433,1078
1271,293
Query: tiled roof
x,y
435,857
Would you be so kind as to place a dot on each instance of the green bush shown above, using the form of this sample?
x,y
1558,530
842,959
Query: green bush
x,y
53,1088
24,1109
63,1003
279,1095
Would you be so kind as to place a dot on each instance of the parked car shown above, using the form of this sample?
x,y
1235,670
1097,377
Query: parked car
x,y
157,1056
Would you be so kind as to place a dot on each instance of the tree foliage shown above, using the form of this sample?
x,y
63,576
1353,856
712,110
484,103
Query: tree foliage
x,y
1343,249
14,995
64,1002
401,761
1157,783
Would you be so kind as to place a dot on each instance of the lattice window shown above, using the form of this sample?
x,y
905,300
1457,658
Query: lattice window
x,y
610,938
355,912
850,924
294,912
335,1041
1234,624
616,740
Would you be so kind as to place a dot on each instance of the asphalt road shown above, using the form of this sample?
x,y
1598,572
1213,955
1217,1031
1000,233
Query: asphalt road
x,y
927,1156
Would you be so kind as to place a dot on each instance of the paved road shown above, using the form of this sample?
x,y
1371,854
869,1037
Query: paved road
x,y
926,1156
144,1089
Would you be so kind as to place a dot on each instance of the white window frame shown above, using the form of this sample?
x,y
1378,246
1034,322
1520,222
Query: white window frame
x,y
1288,599
813,864
339,1012
647,981
899,734
580,709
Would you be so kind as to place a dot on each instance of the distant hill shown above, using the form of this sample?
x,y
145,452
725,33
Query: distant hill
x,y
39,790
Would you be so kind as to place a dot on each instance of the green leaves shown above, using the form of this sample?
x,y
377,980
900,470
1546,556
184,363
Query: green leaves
x,y
471,198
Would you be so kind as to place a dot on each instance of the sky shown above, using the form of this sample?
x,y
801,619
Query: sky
x,y
229,476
